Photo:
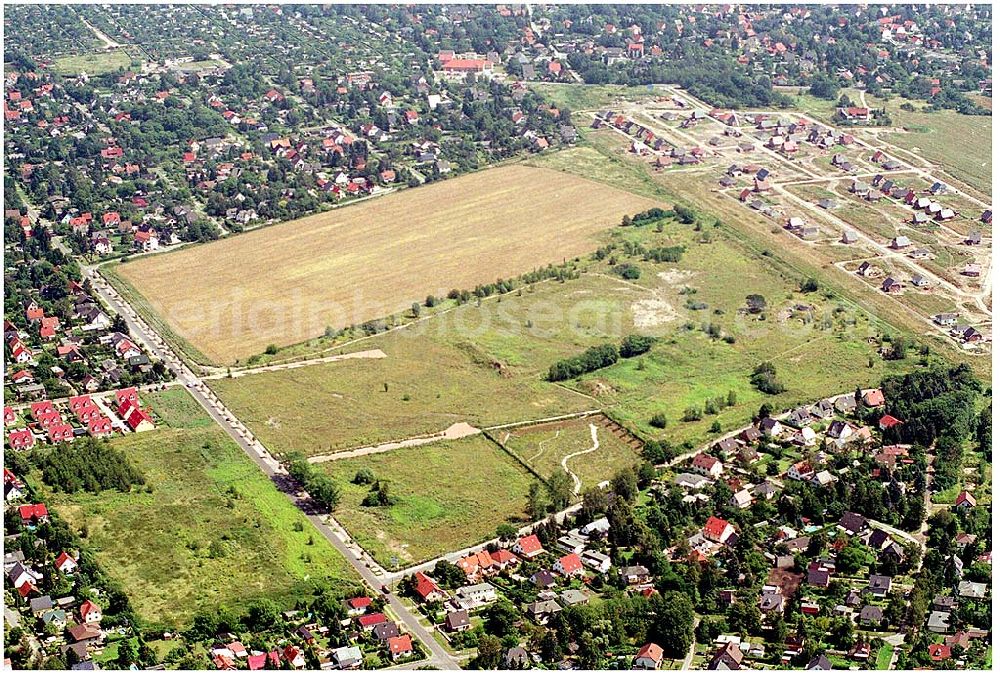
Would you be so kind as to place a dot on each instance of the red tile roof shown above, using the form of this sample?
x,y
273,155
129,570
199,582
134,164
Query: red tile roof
x,y
714,527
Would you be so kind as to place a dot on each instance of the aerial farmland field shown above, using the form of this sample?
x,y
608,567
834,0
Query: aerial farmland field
x,y
287,283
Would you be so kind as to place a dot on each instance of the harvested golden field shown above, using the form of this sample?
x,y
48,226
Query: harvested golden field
x,y
287,283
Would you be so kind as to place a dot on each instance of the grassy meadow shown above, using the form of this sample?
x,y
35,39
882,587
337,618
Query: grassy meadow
x,y
962,145
211,530
542,447
93,63
448,495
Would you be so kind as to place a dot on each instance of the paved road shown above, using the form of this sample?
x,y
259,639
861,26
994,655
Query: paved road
x,y
268,464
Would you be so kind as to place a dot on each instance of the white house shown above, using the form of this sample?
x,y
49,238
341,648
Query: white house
x,y
476,594
707,465
742,499
596,561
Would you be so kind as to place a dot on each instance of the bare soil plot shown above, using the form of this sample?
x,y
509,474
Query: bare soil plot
x,y
287,283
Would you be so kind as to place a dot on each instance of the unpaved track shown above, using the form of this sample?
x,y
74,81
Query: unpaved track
x,y
454,432
565,460
367,354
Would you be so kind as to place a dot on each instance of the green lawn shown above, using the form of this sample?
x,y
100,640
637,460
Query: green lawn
x,y
884,657
95,63
481,364
449,495
212,529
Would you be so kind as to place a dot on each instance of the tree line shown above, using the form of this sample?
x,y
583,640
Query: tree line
x,y
599,356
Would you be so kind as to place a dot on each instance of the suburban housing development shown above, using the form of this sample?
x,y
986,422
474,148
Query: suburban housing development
x,y
497,337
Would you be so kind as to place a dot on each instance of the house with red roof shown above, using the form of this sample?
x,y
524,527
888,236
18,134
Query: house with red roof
x,y
90,612
358,606
99,427
66,563
965,500
22,377
19,352
136,418
223,662
8,415
718,529
21,439
400,647
257,661
77,402
88,413
502,558
939,652
294,656
33,312
130,394
41,408
650,657
528,547
369,621
874,398
427,588
569,565
60,433
888,422
33,514
707,465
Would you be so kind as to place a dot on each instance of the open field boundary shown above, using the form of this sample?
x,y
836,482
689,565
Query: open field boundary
x,y
187,351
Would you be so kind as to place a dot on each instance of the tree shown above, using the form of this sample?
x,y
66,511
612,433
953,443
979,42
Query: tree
x,y
128,654
506,532
323,491
364,476
501,618
490,653
673,624
765,379
851,559
625,484
536,507
560,489
262,614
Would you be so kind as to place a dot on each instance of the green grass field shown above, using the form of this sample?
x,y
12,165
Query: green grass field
x,y
450,494
478,364
213,529
543,447
960,144
95,63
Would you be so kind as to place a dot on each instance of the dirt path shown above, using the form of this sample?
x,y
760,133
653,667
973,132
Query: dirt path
x,y
455,431
367,354
565,460
541,445
108,42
